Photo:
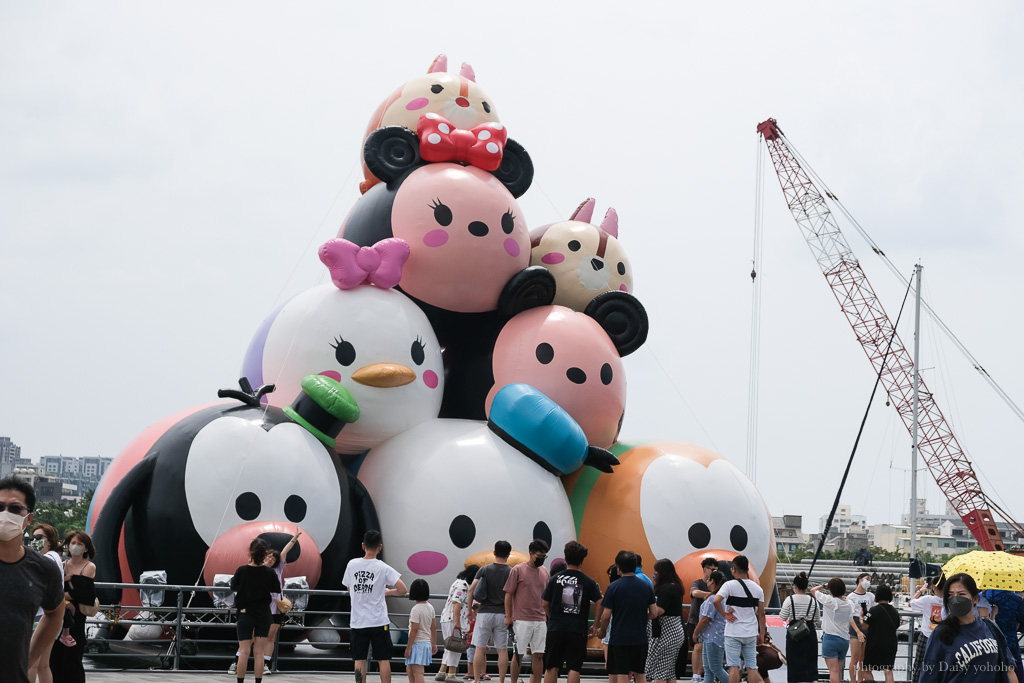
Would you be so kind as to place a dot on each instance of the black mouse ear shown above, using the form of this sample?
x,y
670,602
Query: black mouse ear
x,y
623,317
391,151
516,170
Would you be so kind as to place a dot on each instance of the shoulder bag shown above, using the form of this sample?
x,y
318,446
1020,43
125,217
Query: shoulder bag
x,y
797,629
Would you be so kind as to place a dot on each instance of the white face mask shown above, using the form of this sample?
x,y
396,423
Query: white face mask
x,y
76,550
11,525
865,584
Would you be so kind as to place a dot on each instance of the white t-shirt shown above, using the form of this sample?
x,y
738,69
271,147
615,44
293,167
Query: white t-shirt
x,y
422,613
930,607
366,581
458,593
746,617
835,614
860,604
799,606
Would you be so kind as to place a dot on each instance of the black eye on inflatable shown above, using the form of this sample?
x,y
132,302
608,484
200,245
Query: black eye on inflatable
x,y
462,531
606,374
543,532
295,508
621,268
699,535
442,214
516,170
417,351
545,353
391,151
623,317
344,352
508,222
738,537
247,505
574,245
487,107
436,88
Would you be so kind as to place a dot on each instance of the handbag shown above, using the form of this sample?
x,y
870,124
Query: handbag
x,y
769,657
455,642
797,629
284,605
90,610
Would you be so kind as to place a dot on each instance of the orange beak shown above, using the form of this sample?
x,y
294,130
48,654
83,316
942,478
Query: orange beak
x,y
487,557
384,375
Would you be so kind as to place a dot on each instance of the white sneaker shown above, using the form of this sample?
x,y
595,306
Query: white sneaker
x,y
697,678
440,676
233,668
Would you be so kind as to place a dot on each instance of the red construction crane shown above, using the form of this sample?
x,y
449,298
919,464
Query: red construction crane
x,y
937,445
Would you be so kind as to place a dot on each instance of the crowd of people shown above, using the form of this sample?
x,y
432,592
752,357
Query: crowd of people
x,y
47,591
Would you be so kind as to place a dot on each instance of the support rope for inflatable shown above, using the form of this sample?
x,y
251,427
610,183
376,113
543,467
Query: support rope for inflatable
x,y
856,442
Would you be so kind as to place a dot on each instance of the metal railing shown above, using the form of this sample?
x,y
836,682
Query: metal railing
x,y
187,624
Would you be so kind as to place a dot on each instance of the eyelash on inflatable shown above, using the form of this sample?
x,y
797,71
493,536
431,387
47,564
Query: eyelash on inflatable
x,y
338,341
509,213
436,203
419,341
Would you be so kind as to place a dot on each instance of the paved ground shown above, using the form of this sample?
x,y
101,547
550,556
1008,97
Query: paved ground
x,y
96,676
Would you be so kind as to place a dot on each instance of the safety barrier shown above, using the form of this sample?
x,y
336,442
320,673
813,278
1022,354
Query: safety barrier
x,y
185,622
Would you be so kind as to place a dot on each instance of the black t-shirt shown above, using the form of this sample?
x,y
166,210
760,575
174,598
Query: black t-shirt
x,y
32,582
670,599
695,602
628,599
570,593
253,586
494,577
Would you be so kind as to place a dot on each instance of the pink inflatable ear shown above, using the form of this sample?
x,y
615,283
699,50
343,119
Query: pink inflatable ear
x,y
467,72
440,63
585,211
610,224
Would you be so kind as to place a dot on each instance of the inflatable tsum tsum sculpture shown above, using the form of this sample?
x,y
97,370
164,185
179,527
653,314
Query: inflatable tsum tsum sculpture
x,y
457,97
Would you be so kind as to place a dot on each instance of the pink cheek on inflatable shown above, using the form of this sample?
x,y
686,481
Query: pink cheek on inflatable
x,y
552,258
427,562
512,247
418,103
435,238
336,376
624,288
430,379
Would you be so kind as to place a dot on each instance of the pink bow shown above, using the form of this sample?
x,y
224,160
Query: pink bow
x,y
352,265
480,146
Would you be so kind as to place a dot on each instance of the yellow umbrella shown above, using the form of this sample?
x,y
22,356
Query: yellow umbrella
x,y
990,569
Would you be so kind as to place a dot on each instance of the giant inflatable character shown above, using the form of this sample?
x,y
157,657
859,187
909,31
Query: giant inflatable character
x,y
361,332
669,499
571,359
456,97
585,259
478,489
190,493
469,263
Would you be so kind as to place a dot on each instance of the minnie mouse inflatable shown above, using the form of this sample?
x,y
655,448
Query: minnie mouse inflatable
x,y
451,194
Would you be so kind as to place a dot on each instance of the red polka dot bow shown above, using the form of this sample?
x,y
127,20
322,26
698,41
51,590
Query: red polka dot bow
x,y
480,146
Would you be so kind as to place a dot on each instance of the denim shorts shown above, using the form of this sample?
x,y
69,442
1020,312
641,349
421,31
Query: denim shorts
x,y
745,647
834,647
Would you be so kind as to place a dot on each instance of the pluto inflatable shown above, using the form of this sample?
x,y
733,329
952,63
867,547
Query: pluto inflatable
x,y
669,499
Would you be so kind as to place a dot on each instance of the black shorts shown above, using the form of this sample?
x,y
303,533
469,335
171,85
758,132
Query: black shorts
x,y
565,648
688,629
377,636
253,622
279,618
625,658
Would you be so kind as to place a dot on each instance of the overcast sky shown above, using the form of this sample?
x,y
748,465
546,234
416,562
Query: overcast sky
x,y
168,171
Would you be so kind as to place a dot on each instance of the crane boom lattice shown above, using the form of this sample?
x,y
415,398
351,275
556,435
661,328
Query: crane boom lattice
x,y
937,445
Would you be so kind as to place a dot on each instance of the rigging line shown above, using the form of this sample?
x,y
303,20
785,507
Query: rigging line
x,y
849,463
291,344
755,321
975,363
649,350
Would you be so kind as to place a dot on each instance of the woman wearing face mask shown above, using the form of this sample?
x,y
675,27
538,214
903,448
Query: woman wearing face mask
x,y
79,573
966,648
861,602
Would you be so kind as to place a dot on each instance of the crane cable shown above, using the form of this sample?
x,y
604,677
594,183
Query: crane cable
x,y
892,267
755,319
856,442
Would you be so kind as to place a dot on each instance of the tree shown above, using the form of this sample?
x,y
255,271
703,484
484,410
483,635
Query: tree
x,y
64,517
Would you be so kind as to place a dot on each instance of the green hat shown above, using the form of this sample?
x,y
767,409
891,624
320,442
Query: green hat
x,y
324,407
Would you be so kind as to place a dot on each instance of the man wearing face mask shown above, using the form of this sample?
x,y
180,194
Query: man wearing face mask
x,y
27,581
524,606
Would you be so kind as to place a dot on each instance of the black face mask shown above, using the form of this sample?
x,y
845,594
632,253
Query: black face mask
x,y
540,560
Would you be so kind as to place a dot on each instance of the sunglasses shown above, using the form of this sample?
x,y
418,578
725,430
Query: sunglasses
x,y
16,508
